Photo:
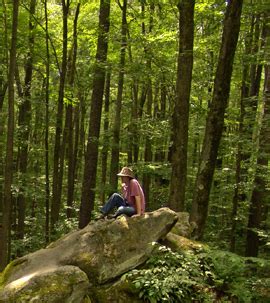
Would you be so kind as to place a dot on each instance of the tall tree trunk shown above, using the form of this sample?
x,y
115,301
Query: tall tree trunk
x,y
70,121
57,169
81,139
181,109
106,137
215,118
251,103
148,155
133,152
46,140
7,199
25,125
118,105
3,90
237,189
133,149
160,114
260,193
91,156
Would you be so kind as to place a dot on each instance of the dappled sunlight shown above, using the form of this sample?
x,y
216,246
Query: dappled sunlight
x,y
24,280
19,283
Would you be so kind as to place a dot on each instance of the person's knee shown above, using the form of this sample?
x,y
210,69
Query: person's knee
x,y
115,195
120,210
123,210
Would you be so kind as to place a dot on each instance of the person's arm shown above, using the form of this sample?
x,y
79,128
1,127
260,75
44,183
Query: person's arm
x,y
138,205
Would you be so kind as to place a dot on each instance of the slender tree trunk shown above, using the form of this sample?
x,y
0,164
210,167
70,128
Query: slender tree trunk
x,y
161,115
134,138
118,105
3,90
260,194
133,149
57,166
148,154
181,109
70,121
251,103
46,141
2,118
237,189
215,118
81,139
255,70
91,156
106,137
25,125
7,199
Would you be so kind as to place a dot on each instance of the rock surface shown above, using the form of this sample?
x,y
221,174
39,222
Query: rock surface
x,y
183,227
95,255
57,284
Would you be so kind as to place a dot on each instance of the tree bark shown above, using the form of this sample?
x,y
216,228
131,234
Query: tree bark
x,y
70,121
251,102
106,137
24,124
7,198
215,118
3,90
91,156
57,166
118,105
181,109
46,139
148,154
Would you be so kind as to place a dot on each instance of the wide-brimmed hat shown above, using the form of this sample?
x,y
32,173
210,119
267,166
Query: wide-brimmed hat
x,y
126,172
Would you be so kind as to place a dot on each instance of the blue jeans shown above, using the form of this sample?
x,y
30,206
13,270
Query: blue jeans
x,y
117,201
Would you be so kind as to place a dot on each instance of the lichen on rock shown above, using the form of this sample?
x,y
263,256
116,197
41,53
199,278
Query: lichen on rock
x,y
84,260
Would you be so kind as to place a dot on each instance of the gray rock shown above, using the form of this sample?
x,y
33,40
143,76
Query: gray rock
x,y
99,253
183,227
55,284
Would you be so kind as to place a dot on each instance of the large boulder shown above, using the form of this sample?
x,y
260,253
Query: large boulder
x,y
182,244
95,255
56,284
183,227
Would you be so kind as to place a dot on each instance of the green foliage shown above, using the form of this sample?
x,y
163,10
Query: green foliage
x,y
198,277
34,233
65,225
172,277
230,275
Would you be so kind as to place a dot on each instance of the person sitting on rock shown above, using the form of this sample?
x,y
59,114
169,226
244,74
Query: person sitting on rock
x,y
132,200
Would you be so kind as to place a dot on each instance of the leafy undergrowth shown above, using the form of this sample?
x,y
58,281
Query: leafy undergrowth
x,y
212,276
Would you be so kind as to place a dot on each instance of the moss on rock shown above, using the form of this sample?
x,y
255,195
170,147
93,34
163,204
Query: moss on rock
x,y
64,284
181,244
9,270
120,291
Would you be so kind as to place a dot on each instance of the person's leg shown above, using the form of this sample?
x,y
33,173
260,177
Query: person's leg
x,y
115,200
125,210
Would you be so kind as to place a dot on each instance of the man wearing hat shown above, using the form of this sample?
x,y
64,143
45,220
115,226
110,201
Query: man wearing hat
x,y
131,202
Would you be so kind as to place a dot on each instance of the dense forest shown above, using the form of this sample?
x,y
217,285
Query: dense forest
x,y
177,90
